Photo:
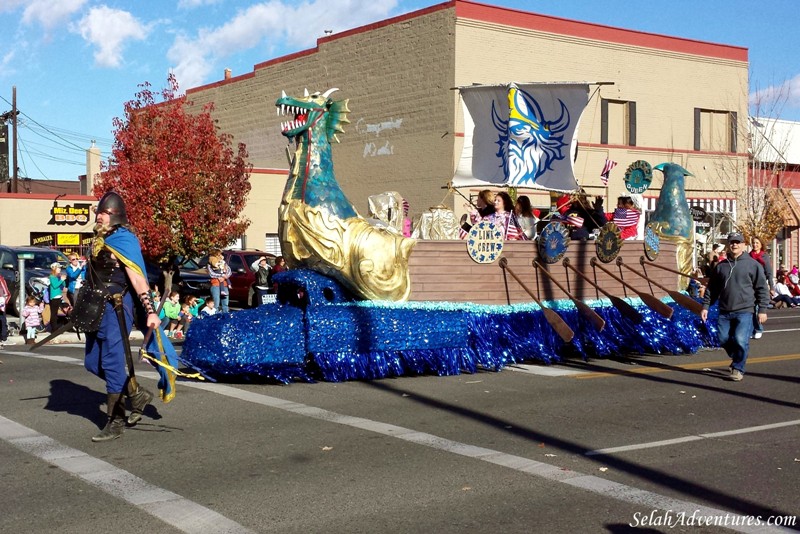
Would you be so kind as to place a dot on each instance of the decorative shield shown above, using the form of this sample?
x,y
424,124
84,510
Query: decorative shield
x,y
553,242
608,243
638,177
485,242
651,242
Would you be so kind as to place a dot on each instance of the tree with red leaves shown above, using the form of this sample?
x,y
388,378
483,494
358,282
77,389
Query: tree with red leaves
x,y
183,185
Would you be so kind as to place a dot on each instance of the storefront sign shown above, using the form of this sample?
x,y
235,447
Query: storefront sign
x,y
698,213
63,215
68,239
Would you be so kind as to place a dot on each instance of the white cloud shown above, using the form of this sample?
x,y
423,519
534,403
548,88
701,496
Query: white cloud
x,y
10,5
108,30
5,62
50,14
773,99
268,25
191,4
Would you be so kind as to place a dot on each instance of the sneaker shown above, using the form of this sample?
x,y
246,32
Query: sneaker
x,y
169,333
736,375
178,335
758,335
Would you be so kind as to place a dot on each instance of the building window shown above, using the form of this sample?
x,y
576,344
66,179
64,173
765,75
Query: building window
x,y
714,130
618,122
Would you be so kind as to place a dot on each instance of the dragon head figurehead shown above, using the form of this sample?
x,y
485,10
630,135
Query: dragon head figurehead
x,y
317,110
319,228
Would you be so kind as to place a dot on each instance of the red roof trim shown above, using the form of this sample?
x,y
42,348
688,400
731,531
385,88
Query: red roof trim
x,y
47,196
522,19
221,82
546,23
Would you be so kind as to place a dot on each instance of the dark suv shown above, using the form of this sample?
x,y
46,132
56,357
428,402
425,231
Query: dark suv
x,y
242,275
37,270
188,279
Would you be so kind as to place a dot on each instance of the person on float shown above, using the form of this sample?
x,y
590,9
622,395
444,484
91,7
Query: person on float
x,y
504,217
527,217
116,271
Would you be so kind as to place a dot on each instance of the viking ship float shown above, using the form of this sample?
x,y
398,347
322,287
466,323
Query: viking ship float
x,y
362,301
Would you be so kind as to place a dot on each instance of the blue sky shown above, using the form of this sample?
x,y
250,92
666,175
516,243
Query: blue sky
x,y
75,62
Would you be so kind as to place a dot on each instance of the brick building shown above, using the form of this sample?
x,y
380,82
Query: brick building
x,y
672,99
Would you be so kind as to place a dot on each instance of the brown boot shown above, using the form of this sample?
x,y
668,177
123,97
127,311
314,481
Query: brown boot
x,y
116,419
139,401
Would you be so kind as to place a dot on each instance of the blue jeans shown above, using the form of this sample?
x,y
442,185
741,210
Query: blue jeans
x,y
757,326
735,329
220,301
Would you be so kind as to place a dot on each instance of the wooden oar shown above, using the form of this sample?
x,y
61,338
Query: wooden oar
x,y
703,280
650,301
559,325
684,300
598,322
623,307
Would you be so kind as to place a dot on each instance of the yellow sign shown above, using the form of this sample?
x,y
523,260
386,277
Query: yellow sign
x,y
68,239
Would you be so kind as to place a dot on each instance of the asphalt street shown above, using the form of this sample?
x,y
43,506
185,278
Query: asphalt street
x,y
646,443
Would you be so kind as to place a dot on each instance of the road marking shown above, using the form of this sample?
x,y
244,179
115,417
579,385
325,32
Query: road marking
x,y
687,439
693,365
606,488
169,507
542,370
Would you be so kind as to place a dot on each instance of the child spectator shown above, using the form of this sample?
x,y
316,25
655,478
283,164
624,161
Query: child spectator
x,y
184,320
209,309
5,296
57,289
172,309
32,314
195,303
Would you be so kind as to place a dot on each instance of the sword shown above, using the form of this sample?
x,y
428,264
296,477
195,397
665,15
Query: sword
x,y
57,332
126,343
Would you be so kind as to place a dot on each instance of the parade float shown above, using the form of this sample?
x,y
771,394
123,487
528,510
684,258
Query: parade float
x,y
362,301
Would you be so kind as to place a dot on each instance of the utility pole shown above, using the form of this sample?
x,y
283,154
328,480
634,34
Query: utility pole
x,y
15,182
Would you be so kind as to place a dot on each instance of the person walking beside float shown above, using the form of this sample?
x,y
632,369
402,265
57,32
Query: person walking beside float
x,y
106,309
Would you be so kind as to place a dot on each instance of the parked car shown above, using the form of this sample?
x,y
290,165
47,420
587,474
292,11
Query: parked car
x,y
189,278
242,276
37,270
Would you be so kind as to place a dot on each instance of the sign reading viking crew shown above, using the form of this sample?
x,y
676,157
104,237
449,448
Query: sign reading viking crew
x,y
638,177
485,242
63,215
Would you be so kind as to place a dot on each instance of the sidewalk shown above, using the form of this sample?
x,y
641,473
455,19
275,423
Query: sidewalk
x,y
66,337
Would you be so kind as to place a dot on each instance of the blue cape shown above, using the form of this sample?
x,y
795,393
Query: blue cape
x,y
126,247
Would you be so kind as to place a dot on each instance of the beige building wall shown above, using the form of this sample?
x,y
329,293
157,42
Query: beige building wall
x,y
666,85
24,218
406,129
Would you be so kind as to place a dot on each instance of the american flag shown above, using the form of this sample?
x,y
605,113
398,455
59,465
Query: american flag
x,y
624,217
606,170
575,220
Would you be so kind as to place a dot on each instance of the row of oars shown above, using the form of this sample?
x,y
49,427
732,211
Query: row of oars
x,y
562,328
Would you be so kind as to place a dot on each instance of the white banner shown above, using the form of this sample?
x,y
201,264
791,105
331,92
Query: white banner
x,y
522,135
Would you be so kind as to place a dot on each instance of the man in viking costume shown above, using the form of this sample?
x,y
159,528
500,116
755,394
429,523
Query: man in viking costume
x,y
116,284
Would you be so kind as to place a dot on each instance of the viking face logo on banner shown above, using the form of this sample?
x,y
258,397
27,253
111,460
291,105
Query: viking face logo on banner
x,y
521,135
529,143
